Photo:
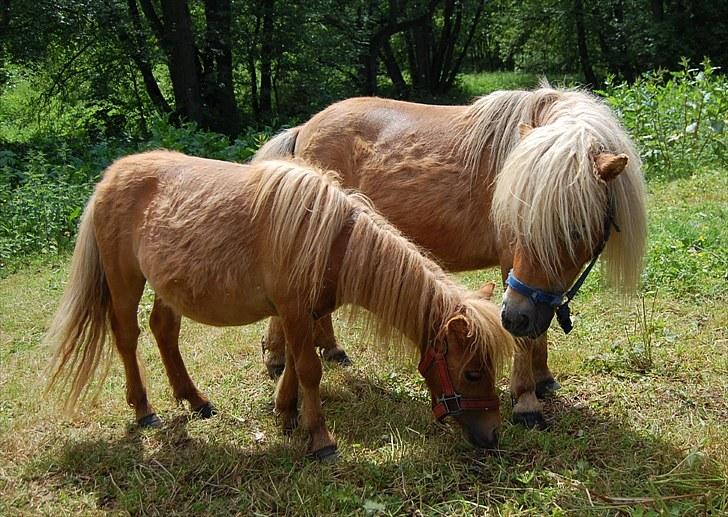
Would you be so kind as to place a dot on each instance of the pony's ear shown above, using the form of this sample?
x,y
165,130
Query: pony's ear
x,y
609,166
524,129
487,291
459,326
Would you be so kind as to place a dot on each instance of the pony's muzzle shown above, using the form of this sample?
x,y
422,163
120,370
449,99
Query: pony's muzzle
x,y
480,429
523,317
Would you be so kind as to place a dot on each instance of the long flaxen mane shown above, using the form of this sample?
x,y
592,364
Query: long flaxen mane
x,y
306,211
406,294
547,191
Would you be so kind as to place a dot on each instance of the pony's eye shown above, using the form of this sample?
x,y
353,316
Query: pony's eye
x,y
473,375
576,235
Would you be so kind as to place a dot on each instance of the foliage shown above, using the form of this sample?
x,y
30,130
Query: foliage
x,y
688,240
44,186
679,119
620,37
40,213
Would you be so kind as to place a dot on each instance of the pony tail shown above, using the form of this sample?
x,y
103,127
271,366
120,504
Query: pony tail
x,y
280,146
81,323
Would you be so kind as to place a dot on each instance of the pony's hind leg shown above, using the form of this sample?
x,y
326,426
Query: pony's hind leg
x,y
286,397
125,298
273,345
165,325
326,340
527,409
299,330
546,385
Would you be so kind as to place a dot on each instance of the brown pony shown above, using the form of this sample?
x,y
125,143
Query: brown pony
x,y
532,181
229,244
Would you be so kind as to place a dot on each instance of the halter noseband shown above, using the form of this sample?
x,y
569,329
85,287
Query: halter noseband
x,y
560,302
450,403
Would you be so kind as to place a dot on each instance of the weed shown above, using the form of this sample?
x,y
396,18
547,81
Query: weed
x,y
678,118
641,339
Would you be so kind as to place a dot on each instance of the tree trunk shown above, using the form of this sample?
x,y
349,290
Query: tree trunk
x,y
393,70
218,91
252,72
4,16
184,68
139,57
468,41
433,65
586,66
369,64
658,10
266,57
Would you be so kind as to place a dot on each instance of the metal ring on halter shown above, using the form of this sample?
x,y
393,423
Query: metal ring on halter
x,y
450,402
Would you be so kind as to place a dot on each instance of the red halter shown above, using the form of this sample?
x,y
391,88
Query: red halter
x,y
450,403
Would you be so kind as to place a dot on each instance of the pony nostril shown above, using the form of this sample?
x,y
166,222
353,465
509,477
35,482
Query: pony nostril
x,y
505,320
524,321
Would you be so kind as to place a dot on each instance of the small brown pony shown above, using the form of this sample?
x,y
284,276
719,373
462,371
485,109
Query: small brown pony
x,y
531,181
229,244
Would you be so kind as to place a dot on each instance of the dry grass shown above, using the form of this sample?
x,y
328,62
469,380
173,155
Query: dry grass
x,y
630,433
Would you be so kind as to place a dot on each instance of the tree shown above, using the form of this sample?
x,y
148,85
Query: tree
x,y
202,79
437,44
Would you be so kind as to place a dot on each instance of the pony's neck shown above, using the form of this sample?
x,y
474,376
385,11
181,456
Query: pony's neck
x,y
407,294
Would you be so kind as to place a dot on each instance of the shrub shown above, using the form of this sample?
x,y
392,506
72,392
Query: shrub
x,y
44,185
40,213
679,119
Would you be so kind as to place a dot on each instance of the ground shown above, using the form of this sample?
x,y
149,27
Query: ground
x,y
640,425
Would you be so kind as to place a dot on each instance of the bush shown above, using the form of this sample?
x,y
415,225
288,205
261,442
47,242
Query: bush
x,y
40,205
679,119
44,185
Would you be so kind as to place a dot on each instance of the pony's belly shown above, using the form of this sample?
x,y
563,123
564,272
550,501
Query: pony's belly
x,y
217,307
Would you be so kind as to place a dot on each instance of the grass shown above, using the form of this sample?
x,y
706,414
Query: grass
x,y
483,83
638,428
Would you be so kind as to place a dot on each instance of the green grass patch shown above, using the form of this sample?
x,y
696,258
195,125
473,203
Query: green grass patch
x,y
638,428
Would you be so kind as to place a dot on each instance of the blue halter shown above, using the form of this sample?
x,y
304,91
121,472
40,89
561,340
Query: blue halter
x,y
560,302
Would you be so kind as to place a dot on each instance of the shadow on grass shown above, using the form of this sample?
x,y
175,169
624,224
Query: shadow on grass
x,y
393,458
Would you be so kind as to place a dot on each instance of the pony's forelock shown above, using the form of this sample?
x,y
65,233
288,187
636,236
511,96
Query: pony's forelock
x,y
546,189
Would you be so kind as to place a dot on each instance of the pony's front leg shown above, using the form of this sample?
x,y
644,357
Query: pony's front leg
x,y
546,385
299,331
527,409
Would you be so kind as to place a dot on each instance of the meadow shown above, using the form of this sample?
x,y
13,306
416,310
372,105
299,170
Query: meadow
x,y
640,426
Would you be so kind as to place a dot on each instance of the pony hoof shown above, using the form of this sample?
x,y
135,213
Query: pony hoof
x,y
151,421
205,411
328,454
338,357
547,388
530,419
289,423
275,370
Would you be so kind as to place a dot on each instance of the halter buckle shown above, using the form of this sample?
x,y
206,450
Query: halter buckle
x,y
451,404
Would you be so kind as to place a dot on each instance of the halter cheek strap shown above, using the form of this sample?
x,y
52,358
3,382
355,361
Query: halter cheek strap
x,y
560,301
450,403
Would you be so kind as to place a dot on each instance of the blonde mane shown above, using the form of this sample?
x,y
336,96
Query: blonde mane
x,y
403,290
382,270
307,210
546,190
